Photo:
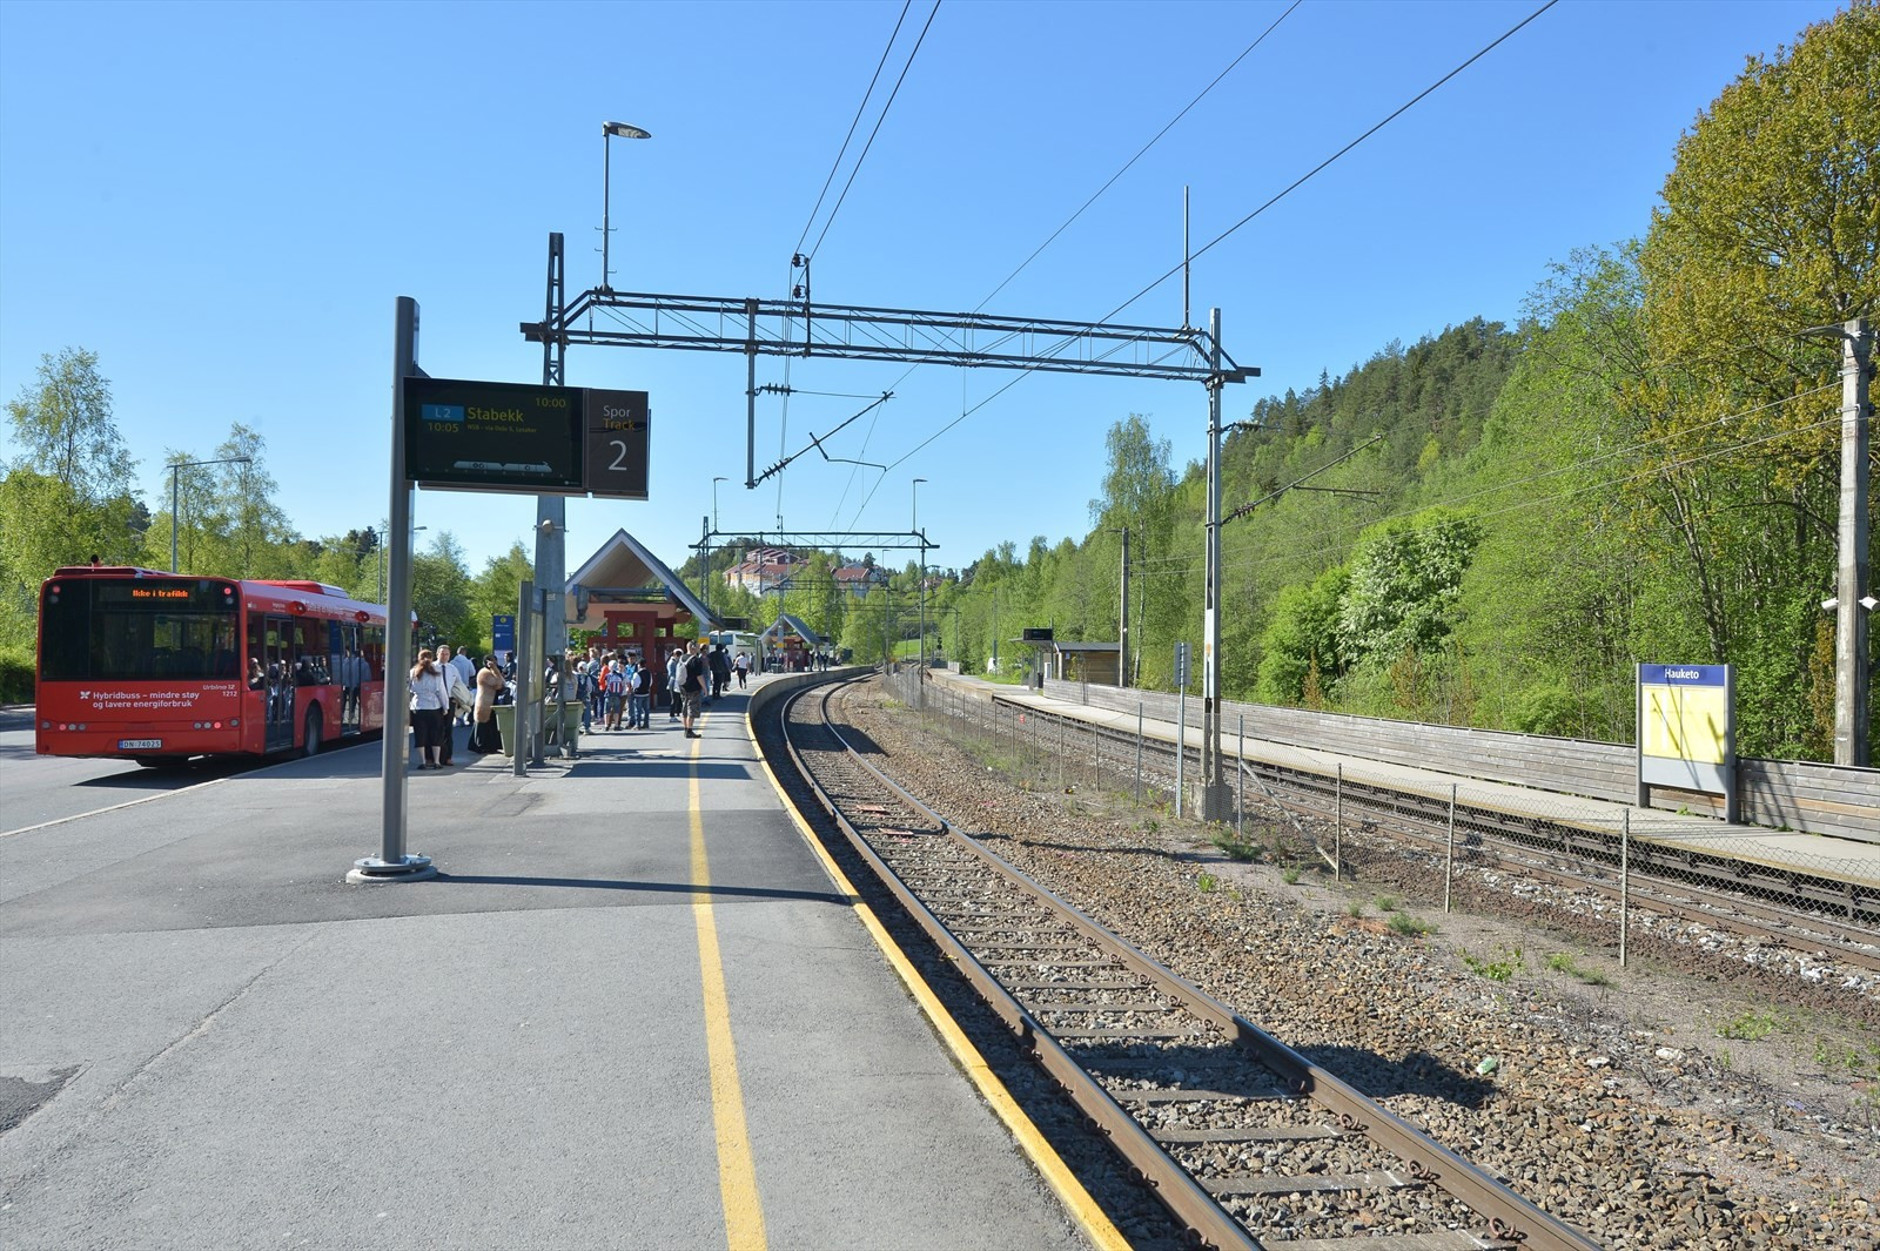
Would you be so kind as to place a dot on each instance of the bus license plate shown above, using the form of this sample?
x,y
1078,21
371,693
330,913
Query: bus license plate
x,y
132,744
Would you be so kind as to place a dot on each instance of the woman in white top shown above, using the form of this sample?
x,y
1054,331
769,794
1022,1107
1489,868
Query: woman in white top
x,y
430,708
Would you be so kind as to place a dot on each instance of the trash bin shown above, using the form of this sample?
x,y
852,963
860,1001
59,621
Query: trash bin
x,y
506,726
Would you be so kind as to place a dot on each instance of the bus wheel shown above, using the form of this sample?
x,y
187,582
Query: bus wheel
x,y
316,733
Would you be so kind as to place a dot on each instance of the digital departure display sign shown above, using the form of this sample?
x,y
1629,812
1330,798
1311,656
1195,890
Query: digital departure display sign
x,y
499,436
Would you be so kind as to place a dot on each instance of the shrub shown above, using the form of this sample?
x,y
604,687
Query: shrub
x,y
16,678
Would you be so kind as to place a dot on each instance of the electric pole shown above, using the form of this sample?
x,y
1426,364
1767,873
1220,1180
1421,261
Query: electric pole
x,y
1853,598
1122,649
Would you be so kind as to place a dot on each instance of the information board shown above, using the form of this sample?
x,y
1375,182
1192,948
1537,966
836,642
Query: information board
x,y
495,435
1687,730
618,430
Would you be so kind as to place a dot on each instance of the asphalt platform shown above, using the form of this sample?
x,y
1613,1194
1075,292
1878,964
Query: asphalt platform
x,y
632,1010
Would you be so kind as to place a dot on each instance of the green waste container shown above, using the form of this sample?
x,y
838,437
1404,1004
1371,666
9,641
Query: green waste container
x,y
506,726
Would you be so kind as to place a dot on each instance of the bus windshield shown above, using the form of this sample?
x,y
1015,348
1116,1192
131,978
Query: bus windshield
x,y
137,629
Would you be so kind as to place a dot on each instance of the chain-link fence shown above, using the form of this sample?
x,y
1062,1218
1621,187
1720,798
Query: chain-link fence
x,y
1429,838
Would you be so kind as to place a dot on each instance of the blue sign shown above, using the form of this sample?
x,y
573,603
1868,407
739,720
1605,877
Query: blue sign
x,y
1684,675
452,413
503,634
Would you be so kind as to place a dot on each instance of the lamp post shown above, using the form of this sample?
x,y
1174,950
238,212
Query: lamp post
x,y
385,527
191,464
608,131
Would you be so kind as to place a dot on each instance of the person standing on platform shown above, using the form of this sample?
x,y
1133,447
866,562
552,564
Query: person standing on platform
x,y
484,736
461,701
430,701
721,670
675,677
640,688
459,664
615,679
742,667
692,685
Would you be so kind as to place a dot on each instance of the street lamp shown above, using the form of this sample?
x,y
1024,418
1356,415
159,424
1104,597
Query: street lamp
x,y
192,464
384,526
608,131
715,482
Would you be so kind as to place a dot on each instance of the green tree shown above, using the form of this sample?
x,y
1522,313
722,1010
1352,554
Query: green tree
x,y
1766,232
495,592
68,498
440,594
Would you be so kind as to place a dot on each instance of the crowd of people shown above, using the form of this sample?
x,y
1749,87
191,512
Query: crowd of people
x,y
616,689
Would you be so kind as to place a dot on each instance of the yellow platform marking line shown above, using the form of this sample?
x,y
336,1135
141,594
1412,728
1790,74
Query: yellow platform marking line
x,y
1070,1192
737,1175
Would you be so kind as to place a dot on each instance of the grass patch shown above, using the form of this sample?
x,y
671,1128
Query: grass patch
x,y
1408,926
1388,903
1561,962
1290,877
1750,1027
1355,908
1234,849
1501,970
1207,882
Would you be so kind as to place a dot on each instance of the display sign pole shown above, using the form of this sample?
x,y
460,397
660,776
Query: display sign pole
x,y
393,863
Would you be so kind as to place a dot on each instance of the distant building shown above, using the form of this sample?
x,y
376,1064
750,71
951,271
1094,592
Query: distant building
x,y
858,580
764,569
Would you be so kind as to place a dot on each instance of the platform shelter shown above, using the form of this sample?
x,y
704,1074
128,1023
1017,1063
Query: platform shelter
x,y
791,639
631,598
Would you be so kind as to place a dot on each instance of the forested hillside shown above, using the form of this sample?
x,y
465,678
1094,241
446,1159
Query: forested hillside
x,y
1646,469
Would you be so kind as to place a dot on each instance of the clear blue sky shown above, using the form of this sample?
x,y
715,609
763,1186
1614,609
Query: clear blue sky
x,y
224,200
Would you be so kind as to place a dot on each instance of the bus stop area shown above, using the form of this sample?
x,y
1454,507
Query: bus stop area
x,y
631,1010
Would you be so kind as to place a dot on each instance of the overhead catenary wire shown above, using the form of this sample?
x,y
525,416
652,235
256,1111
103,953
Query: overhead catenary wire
x,y
1140,153
1312,173
861,108
857,167
1269,203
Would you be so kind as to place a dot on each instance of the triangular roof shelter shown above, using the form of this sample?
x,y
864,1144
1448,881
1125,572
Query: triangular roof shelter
x,y
623,579
773,637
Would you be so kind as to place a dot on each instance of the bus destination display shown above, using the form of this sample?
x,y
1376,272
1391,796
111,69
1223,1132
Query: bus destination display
x,y
494,435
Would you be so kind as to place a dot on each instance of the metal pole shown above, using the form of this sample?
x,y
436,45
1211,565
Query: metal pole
x,y
1338,826
394,750
1851,676
1181,747
607,187
1213,797
1122,649
173,527
551,511
1625,877
1138,751
1449,857
521,750
1240,784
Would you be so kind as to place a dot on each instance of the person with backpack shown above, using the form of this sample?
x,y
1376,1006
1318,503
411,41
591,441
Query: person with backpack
x,y
692,685
640,698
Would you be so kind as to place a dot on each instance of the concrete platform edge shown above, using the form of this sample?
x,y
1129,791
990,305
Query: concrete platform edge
x,y
1077,1202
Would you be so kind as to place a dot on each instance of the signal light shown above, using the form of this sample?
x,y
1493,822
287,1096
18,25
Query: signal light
x,y
298,607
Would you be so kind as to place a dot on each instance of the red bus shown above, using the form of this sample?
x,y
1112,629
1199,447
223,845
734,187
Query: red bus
x,y
157,667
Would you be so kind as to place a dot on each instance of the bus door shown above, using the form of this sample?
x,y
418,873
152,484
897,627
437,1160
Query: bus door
x,y
275,656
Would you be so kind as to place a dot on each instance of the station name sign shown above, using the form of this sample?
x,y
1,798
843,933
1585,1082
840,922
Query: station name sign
x,y
500,436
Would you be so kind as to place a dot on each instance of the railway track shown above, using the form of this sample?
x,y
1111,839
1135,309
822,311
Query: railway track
x,y
1806,913
1240,1137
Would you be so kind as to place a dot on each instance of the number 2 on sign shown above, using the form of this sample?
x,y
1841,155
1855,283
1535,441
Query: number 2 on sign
x,y
620,453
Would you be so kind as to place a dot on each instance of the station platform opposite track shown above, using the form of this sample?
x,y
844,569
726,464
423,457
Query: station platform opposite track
x,y
1844,859
632,1010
